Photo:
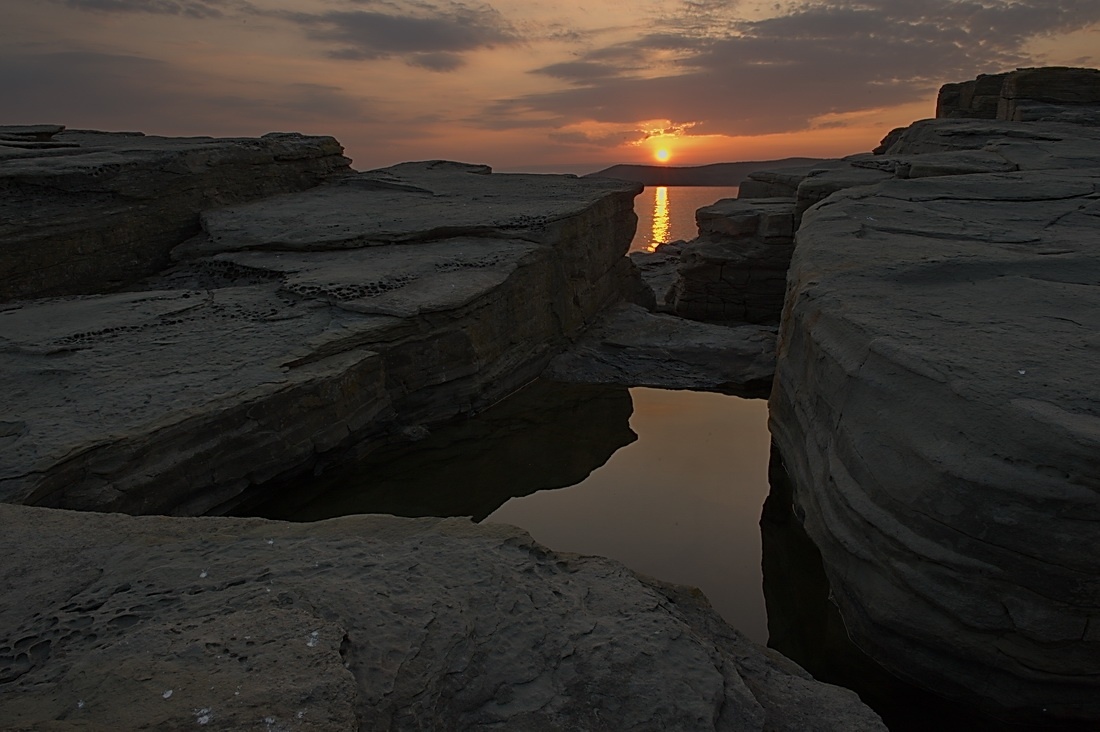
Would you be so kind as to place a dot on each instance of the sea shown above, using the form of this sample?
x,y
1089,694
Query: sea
x,y
667,213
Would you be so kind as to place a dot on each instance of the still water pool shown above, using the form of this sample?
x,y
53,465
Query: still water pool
x,y
670,483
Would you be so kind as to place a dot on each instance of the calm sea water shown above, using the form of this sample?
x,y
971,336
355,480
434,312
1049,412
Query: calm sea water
x,y
667,213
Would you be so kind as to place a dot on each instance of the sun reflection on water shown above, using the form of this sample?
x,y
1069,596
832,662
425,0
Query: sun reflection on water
x,y
661,223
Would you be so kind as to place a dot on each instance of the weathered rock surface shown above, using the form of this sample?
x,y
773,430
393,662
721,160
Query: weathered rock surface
x,y
1050,94
633,347
296,325
367,622
936,402
736,270
84,212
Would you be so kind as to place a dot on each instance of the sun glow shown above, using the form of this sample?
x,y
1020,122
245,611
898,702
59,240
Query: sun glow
x,y
662,154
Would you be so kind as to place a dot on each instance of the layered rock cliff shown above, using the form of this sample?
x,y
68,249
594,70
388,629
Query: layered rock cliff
x,y
85,212
303,324
936,403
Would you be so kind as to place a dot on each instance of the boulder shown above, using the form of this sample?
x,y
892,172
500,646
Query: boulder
x,y
935,402
85,212
367,622
301,324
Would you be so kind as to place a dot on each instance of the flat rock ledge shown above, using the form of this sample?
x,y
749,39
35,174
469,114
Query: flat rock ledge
x,y
937,404
367,622
301,325
84,212
632,347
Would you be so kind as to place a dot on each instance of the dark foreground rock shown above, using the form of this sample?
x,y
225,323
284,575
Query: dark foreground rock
x,y
301,324
937,404
367,622
84,212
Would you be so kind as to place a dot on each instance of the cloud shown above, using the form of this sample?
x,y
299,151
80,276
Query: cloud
x,y
748,77
433,37
188,8
113,91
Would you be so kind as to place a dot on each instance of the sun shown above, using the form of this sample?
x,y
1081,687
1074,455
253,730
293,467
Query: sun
x,y
662,154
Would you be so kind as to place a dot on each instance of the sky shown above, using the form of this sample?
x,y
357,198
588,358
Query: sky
x,y
539,85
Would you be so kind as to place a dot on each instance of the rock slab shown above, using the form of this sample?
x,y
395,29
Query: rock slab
x,y
297,325
85,212
632,347
367,622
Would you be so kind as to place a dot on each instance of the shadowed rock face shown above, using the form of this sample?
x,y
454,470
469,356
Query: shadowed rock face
x,y
936,405
548,435
299,324
1026,95
84,212
367,622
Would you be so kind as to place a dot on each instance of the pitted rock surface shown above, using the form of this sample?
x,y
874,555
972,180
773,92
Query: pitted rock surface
x,y
367,622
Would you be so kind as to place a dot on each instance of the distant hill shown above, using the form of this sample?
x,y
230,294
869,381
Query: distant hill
x,y
715,174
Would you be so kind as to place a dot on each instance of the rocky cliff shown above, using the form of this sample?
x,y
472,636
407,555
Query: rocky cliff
x,y
936,404
1050,94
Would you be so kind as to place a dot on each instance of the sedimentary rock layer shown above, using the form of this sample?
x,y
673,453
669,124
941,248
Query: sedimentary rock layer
x,y
367,622
1026,95
736,270
85,212
297,325
633,347
936,404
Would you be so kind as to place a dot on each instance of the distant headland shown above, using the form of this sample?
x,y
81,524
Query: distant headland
x,y
715,174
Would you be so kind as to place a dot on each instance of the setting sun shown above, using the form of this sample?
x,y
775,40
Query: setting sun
x,y
661,154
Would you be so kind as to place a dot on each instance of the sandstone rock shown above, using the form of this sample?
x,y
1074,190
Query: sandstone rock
x,y
104,209
936,404
275,342
736,270
810,184
977,99
1027,90
635,348
1025,95
367,622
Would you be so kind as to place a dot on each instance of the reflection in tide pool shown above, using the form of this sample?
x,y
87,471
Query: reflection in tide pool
x,y
681,504
667,213
670,483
